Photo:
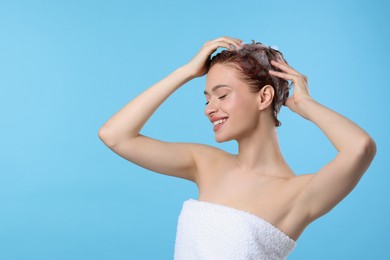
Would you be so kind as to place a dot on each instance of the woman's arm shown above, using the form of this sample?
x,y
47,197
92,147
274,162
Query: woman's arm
x,y
356,149
127,122
121,133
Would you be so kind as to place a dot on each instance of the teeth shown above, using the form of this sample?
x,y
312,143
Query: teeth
x,y
219,121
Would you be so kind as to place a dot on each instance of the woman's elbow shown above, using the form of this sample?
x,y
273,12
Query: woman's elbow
x,y
105,137
368,148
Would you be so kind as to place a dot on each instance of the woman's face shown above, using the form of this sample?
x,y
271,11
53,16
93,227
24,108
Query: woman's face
x,y
230,105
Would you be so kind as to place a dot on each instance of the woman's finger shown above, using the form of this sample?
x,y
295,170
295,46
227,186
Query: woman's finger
x,y
284,67
233,41
221,44
226,38
282,75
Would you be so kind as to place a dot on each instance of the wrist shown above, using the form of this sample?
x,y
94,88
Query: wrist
x,y
303,105
187,72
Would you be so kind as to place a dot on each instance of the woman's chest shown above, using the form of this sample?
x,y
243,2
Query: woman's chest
x,y
263,196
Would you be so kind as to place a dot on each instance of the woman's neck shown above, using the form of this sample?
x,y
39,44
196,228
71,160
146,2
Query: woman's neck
x,y
260,153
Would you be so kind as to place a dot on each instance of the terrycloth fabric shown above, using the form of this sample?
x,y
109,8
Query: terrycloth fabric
x,y
210,231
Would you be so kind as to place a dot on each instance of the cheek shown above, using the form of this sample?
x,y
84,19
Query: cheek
x,y
246,115
233,102
242,106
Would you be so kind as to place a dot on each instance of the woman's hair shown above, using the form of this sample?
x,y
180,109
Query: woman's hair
x,y
253,62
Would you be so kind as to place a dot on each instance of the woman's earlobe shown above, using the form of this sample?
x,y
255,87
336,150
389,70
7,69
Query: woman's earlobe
x,y
266,96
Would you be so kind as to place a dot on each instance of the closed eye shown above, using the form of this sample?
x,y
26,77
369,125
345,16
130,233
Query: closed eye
x,y
221,97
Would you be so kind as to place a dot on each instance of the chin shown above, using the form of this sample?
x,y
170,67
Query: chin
x,y
222,139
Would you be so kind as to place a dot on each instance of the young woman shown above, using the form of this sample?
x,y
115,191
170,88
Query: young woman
x,y
251,204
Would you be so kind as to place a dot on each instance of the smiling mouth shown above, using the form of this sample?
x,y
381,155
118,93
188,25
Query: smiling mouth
x,y
220,121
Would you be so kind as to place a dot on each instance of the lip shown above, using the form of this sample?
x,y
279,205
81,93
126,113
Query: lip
x,y
213,119
217,127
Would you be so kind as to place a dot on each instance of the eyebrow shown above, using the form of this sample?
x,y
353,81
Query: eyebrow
x,y
215,88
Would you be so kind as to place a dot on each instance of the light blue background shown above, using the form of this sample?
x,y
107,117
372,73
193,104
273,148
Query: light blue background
x,y
67,66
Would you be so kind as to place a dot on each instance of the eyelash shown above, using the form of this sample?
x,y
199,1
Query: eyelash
x,y
221,97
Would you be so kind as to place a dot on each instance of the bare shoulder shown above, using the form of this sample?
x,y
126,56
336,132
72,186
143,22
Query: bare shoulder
x,y
203,151
209,160
300,180
206,155
297,184
294,184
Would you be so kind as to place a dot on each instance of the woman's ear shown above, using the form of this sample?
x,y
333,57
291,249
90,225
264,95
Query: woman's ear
x,y
266,95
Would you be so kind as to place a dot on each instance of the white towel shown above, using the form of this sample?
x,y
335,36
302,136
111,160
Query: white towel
x,y
210,231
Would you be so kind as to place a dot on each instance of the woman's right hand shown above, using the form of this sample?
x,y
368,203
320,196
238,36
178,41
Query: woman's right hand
x,y
198,65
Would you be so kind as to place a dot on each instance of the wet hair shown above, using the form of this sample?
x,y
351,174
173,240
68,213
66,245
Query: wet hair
x,y
253,62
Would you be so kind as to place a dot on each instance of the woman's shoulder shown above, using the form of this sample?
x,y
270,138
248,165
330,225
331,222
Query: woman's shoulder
x,y
204,151
303,176
300,180
296,183
209,158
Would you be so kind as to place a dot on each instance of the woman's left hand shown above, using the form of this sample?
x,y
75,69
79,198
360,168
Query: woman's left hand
x,y
301,88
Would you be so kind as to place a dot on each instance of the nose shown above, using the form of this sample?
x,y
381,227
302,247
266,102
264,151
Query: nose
x,y
210,109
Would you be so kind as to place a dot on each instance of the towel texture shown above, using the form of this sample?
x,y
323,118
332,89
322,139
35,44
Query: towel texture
x,y
210,231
